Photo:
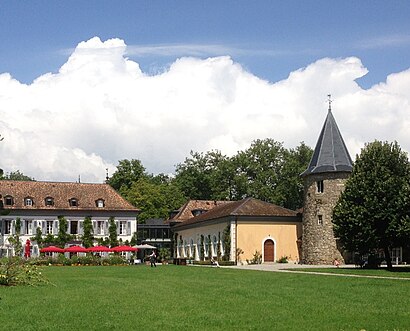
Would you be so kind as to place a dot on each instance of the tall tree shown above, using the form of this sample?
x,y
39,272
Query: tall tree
x,y
15,175
88,232
128,172
112,230
155,198
62,237
258,171
373,211
290,184
204,176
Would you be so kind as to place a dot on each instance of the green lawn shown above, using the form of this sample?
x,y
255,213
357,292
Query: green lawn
x,y
400,272
201,298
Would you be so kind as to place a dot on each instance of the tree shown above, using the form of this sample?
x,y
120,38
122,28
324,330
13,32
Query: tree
x,y
205,176
15,175
62,237
112,230
373,212
155,198
290,184
127,173
258,171
15,239
88,232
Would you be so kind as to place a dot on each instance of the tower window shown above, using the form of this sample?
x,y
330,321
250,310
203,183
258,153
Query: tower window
x,y
73,202
320,187
319,220
28,201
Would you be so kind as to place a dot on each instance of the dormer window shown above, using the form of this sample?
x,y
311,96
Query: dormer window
x,y
49,201
73,202
28,202
8,200
100,203
198,211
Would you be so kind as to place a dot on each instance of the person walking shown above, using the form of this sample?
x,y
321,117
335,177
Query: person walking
x,y
153,259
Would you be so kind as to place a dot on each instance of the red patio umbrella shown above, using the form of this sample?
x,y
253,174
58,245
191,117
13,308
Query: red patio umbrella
x,y
27,252
99,249
124,248
76,249
51,249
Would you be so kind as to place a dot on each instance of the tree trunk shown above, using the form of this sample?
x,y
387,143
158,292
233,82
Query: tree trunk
x,y
387,257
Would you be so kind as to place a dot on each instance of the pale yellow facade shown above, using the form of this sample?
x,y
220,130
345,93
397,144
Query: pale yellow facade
x,y
247,235
251,237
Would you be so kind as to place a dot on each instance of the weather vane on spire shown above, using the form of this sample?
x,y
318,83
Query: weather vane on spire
x,y
330,101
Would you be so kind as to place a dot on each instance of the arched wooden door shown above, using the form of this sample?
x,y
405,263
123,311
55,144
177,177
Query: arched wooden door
x,y
269,251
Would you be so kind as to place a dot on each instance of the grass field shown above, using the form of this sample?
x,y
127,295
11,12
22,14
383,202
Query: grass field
x,y
200,298
396,272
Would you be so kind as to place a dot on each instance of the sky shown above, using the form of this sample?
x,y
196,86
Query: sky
x,y
84,84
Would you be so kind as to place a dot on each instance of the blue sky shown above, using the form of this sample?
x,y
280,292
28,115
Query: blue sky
x,y
84,84
268,38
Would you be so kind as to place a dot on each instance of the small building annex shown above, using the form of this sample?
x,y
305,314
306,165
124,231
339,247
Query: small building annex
x,y
40,204
247,226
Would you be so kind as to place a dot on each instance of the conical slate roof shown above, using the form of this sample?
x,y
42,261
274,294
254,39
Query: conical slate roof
x,y
330,153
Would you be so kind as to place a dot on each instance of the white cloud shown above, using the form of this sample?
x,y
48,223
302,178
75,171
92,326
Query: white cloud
x,y
100,108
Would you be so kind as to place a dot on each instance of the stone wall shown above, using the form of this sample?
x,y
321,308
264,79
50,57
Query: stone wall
x,y
318,242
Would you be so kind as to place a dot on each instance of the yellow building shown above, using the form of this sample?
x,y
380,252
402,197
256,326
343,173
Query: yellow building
x,y
239,231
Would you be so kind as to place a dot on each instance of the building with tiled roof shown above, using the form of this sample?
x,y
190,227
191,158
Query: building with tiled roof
x,y
249,225
193,208
40,204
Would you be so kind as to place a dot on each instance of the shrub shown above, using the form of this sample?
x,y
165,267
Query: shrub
x,y
283,259
17,271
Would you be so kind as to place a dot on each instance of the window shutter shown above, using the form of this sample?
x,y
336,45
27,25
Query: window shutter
x,y
117,224
43,227
23,227
35,227
13,227
94,227
80,227
68,226
105,228
128,228
55,227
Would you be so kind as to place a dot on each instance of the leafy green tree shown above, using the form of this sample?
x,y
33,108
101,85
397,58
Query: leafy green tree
x,y
127,173
258,171
112,230
15,175
205,176
14,240
38,237
87,237
290,184
154,199
62,237
373,211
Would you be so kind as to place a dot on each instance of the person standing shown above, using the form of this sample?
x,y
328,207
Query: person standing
x,y
153,259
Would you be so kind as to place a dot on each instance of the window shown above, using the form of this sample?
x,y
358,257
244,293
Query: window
x,y
100,203
8,200
320,187
29,227
100,227
123,227
73,202
28,201
49,201
7,226
49,227
319,219
74,227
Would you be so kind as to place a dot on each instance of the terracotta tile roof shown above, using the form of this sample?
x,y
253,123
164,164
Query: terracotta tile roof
x,y
245,207
186,211
85,194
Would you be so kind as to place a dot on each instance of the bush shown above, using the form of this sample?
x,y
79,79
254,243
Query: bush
x,y
17,271
283,259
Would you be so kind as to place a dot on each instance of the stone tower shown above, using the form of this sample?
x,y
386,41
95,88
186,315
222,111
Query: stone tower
x,y
324,181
